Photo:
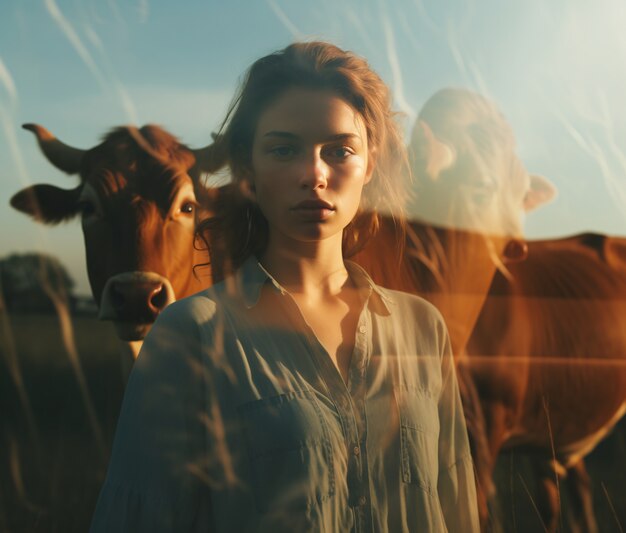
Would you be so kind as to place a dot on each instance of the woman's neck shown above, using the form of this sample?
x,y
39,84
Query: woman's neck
x,y
311,269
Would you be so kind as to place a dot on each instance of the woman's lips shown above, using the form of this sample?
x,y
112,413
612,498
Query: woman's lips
x,y
314,209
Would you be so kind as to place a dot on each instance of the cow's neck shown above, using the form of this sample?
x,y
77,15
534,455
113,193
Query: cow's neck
x,y
466,267
451,268
128,350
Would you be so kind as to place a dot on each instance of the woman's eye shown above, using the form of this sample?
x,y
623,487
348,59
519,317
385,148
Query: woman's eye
x,y
340,152
283,151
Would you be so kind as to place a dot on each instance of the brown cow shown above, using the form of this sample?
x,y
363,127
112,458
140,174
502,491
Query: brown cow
x,y
138,198
552,378
472,190
545,316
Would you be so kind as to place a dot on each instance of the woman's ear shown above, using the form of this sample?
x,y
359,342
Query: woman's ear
x,y
247,187
371,165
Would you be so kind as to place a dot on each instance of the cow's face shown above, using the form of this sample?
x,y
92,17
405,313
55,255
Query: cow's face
x,y
469,175
139,246
474,188
139,209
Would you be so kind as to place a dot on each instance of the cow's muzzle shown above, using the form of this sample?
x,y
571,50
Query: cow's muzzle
x,y
133,300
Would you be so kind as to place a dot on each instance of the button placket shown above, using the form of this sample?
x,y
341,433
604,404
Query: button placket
x,y
349,398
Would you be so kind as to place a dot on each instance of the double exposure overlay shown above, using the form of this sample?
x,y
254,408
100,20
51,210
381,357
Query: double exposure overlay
x,y
508,216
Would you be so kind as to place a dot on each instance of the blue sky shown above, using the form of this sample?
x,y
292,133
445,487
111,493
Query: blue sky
x,y
79,67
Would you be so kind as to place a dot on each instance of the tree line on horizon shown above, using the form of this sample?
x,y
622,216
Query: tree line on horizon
x,y
30,281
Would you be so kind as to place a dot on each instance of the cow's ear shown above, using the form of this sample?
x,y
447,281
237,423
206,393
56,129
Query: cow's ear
x,y
47,204
614,252
541,191
437,154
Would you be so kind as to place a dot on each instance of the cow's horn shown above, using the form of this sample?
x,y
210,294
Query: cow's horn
x,y
212,157
62,156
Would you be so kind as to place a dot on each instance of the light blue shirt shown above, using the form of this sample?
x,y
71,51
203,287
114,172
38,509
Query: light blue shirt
x,y
236,419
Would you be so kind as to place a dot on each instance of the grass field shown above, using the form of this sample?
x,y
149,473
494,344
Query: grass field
x,y
56,454
52,464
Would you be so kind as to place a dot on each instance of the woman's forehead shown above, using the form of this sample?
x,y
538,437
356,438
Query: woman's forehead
x,y
310,114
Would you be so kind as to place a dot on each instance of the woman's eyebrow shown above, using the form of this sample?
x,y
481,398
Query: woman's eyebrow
x,y
344,136
281,134
330,138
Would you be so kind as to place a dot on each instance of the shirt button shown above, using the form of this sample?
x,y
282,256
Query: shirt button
x,y
362,329
362,500
356,450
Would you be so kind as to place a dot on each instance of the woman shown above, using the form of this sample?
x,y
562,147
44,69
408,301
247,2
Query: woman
x,y
296,395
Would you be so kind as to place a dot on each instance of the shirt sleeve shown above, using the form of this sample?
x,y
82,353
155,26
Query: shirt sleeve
x,y
154,481
456,486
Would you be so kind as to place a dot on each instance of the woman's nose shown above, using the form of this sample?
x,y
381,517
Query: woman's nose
x,y
314,173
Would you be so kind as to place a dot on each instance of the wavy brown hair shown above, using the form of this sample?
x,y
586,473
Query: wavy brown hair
x,y
237,228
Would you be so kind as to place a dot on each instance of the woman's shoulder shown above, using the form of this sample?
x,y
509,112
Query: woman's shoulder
x,y
410,301
404,305
184,323
199,307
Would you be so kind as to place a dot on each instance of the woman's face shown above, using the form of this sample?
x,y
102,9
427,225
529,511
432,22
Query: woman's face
x,y
309,164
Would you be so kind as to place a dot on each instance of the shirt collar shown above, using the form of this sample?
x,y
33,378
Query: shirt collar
x,y
252,277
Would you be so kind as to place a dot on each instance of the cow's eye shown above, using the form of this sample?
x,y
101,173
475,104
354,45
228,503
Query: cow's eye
x,y
482,198
188,208
86,208
482,193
